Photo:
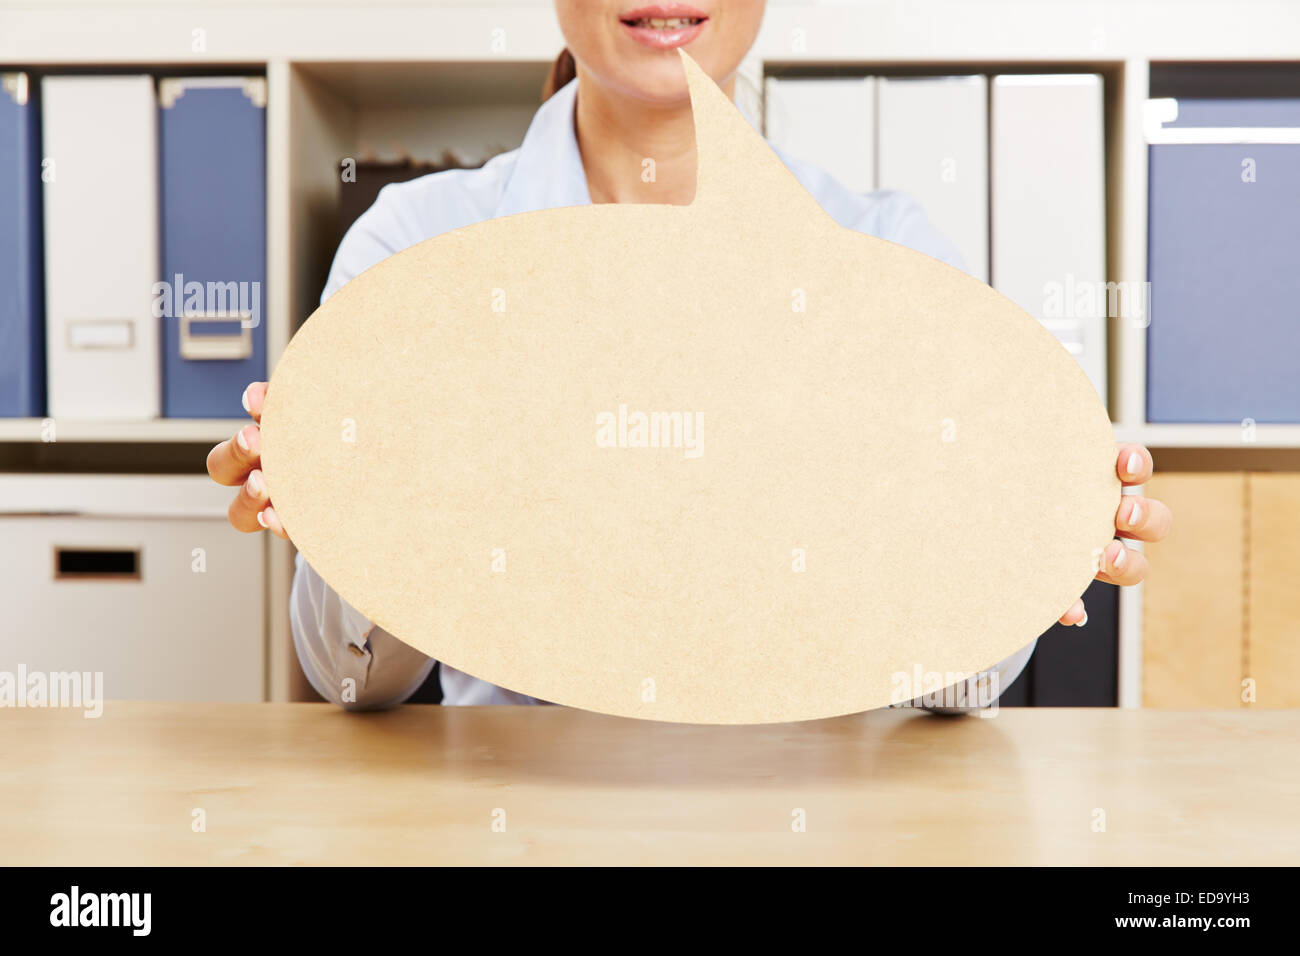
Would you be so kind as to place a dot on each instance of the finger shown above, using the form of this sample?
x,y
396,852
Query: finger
x,y
1076,616
250,500
1135,464
269,520
230,462
1143,519
1122,565
253,398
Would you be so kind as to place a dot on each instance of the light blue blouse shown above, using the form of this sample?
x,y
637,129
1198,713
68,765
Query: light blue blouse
x,y
347,659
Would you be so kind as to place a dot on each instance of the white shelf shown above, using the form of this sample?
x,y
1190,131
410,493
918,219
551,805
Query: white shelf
x,y
136,497
1229,437
157,430
1226,437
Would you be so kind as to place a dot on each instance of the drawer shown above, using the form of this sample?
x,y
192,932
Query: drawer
x,y
167,608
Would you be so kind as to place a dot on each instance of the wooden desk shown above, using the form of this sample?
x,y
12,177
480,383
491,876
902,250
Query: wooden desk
x,y
307,783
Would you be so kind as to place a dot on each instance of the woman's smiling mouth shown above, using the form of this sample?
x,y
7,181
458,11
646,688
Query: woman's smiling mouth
x,y
664,26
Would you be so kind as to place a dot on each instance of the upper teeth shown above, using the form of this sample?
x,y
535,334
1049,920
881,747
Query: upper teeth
x,y
668,23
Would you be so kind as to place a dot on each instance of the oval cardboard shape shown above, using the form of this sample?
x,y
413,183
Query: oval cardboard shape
x,y
726,462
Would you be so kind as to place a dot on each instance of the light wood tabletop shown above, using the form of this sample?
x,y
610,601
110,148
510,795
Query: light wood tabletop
x,y
308,784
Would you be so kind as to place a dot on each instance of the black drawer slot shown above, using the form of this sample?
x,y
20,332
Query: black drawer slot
x,y
92,563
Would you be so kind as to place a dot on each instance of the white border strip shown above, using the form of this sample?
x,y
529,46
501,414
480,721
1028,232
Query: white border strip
x,y
1161,111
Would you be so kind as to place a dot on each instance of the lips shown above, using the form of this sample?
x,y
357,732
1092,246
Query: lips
x,y
664,26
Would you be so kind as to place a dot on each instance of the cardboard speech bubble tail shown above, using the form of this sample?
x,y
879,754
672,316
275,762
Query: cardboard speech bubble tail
x,y
734,164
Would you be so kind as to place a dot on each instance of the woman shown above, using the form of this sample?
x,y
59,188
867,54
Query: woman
x,y
618,97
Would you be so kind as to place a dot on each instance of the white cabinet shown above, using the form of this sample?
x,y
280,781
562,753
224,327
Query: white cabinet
x,y
167,606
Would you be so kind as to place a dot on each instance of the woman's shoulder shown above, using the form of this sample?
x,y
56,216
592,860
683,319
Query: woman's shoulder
x,y
884,213
439,202
418,209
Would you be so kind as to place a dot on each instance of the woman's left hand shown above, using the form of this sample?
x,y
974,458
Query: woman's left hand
x,y
1138,519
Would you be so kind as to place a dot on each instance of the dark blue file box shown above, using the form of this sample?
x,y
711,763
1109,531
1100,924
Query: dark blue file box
x,y
213,179
1224,263
22,281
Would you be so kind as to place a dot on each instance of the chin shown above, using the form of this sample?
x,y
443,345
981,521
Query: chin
x,y
658,78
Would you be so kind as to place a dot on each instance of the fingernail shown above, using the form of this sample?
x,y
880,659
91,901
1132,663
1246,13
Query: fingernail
x,y
254,484
1134,515
241,441
243,399
261,518
1117,562
1085,619
1134,463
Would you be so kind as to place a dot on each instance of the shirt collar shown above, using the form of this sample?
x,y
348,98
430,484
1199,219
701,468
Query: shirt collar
x,y
548,171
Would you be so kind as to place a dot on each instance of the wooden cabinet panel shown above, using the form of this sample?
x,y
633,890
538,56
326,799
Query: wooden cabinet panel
x,y
1193,603
1272,656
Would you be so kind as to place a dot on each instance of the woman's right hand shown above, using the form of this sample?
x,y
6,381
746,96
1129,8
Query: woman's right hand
x,y
238,461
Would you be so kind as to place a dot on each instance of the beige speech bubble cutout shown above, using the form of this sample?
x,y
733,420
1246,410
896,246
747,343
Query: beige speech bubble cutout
x,y
857,464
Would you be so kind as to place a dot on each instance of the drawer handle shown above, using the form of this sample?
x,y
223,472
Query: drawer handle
x,y
101,334
216,336
85,564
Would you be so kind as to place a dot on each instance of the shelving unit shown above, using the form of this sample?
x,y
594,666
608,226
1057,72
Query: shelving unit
x,y
161,430
357,79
